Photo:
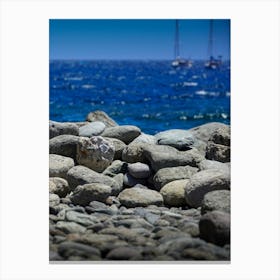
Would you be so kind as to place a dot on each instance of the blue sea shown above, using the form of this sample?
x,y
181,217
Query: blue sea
x,y
149,94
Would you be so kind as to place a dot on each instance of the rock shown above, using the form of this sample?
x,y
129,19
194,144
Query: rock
x,y
169,174
125,133
203,182
139,170
58,186
173,193
57,128
117,188
59,165
212,164
102,117
215,227
216,200
92,129
140,186
124,253
53,200
115,168
144,139
84,194
134,153
80,175
64,145
95,153
189,227
81,218
217,152
165,156
118,145
221,136
135,197
70,227
178,138
130,181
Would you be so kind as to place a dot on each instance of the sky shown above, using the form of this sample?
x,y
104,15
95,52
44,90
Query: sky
x,y
136,39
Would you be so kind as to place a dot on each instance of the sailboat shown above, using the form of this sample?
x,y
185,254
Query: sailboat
x,y
178,61
212,63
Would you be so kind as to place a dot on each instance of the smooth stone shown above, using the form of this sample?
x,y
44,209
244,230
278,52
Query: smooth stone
x,y
139,197
125,133
54,199
95,153
92,129
59,128
140,186
117,188
83,195
102,117
70,227
161,156
212,164
81,218
80,175
214,227
134,153
124,253
173,193
139,170
130,181
115,168
59,165
216,200
217,152
203,182
64,145
191,228
145,139
178,138
151,218
58,186
169,174
118,145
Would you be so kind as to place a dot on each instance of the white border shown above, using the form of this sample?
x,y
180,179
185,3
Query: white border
x,y
255,137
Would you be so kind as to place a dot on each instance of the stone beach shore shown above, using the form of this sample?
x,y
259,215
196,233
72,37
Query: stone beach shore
x,y
118,194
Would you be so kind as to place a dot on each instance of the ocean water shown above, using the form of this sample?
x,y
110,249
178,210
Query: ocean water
x,y
149,94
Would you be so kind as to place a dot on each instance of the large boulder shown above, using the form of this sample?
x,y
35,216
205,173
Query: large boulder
x,y
203,182
144,139
80,175
169,174
84,194
102,117
95,153
217,152
134,153
137,197
92,129
118,145
59,128
216,200
125,133
139,170
59,165
173,193
214,227
58,186
64,145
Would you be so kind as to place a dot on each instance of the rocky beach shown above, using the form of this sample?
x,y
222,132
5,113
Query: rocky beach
x,y
118,194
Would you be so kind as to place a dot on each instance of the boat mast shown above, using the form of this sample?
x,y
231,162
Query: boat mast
x,y
210,40
176,45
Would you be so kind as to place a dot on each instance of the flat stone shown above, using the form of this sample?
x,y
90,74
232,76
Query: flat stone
x,y
203,182
216,200
95,153
139,170
64,145
59,128
81,218
53,200
173,193
102,117
124,253
58,186
118,145
84,194
59,165
139,197
92,129
214,227
212,164
70,227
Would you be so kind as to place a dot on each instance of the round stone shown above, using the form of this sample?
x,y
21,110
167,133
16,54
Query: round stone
x,y
139,170
59,165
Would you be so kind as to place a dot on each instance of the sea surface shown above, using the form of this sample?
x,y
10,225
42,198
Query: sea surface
x,y
149,94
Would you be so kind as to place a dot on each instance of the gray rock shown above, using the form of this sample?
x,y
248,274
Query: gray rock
x,y
125,133
124,253
144,139
169,174
216,200
102,117
95,153
189,227
59,165
117,188
70,227
173,193
118,145
214,227
92,129
115,168
203,182
139,170
130,181
140,186
165,156
84,194
212,164
134,153
80,175
178,138
80,218
59,128
58,186
221,136
53,200
64,145
139,197
217,152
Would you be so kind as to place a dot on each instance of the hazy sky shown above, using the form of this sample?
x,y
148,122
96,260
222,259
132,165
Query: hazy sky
x,y
135,39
